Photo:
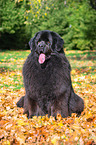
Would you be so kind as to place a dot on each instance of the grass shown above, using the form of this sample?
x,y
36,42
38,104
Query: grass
x,y
16,58
11,63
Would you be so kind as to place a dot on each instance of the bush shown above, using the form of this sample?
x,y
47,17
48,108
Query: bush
x,y
12,28
74,21
81,32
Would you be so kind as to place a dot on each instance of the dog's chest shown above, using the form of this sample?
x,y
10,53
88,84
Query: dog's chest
x,y
49,82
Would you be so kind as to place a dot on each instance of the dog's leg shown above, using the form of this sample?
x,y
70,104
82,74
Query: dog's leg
x,y
20,103
26,105
23,102
60,106
31,107
76,104
34,109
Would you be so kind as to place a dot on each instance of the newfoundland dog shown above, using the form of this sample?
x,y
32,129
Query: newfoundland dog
x,y
47,81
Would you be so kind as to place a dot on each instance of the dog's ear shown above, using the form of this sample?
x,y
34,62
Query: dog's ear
x,y
60,43
31,43
57,41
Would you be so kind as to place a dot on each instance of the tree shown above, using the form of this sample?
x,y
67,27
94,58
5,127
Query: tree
x,y
93,4
12,27
74,20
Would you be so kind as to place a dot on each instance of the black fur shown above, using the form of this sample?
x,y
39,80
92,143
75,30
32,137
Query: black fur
x,y
48,86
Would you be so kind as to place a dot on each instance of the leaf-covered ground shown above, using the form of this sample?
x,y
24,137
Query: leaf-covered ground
x,y
16,129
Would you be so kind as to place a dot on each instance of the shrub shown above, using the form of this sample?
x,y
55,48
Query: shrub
x,y
74,21
12,28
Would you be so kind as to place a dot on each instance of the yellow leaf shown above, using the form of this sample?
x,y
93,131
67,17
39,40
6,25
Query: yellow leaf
x,y
59,117
6,142
55,139
21,139
12,74
39,1
73,71
45,14
90,67
20,122
60,124
63,136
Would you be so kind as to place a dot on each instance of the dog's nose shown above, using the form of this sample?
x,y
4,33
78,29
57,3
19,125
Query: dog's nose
x,y
41,44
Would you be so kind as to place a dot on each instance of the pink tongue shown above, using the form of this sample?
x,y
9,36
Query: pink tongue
x,y
41,58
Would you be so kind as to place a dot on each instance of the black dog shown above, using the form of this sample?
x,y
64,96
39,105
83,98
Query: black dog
x,y
47,79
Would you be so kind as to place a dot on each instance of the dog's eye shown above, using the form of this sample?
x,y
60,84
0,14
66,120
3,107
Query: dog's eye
x,y
48,42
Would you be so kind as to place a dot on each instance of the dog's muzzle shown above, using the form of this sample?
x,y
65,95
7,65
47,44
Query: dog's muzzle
x,y
41,44
44,51
42,47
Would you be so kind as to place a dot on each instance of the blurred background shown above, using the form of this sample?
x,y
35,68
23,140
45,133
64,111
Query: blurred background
x,y
74,21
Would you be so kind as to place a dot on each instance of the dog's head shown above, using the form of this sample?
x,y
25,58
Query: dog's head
x,y
45,43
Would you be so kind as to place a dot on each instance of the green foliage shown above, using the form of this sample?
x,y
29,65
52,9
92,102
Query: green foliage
x,y
36,13
12,17
12,28
82,22
74,20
